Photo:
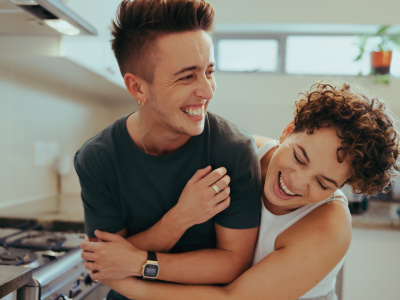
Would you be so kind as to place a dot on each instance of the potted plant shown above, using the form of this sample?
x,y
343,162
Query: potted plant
x,y
381,56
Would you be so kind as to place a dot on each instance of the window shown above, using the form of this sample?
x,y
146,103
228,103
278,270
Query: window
x,y
255,55
303,54
331,55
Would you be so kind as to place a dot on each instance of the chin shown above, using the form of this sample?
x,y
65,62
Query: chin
x,y
195,130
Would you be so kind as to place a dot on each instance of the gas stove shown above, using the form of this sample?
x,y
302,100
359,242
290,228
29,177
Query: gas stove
x,y
54,257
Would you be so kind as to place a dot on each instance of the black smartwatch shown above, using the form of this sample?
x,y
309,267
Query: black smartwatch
x,y
150,269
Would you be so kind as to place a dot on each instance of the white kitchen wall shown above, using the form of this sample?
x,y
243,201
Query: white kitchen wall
x,y
33,110
263,104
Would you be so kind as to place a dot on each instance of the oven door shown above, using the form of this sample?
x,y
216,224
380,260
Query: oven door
x,y
61,279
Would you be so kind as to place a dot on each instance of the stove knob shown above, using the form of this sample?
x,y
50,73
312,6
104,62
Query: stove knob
x,y
88,280
63,297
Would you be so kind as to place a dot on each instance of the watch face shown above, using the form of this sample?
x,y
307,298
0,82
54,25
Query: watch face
x,y
150,270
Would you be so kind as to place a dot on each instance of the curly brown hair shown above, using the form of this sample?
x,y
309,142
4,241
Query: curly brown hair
x,y
365,126
139,23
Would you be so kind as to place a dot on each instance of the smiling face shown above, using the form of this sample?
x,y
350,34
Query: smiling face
x,y
183,85
304,169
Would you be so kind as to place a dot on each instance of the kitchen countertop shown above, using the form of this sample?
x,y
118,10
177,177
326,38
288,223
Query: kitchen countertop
x,y
70,209
13,278
380,215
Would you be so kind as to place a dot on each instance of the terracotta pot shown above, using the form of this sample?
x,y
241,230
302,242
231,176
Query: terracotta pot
x,y
380,62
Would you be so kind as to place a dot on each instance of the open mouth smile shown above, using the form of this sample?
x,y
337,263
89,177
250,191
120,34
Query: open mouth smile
x,y
283,188
193,111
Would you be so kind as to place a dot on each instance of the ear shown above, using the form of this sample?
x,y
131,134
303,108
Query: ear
x,y
136,86
288,130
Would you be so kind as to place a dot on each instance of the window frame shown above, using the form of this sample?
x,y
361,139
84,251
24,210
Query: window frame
x,y
281,37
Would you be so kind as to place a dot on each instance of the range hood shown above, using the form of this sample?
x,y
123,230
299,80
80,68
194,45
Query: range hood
x,y
41,17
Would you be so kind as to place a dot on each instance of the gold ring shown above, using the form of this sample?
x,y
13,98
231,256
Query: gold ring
x,y
91,265
216,189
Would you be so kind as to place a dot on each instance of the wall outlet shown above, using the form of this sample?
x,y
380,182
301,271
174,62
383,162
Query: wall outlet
x,y
45,153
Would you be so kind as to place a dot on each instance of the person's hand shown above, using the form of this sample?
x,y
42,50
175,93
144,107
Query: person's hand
x,y
199,200
112,257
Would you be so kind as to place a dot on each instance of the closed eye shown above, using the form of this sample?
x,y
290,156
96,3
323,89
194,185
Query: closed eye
x,y
297,158
186,78
322,186
211,73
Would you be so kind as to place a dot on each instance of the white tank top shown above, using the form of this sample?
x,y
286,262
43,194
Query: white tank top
x,y
273,225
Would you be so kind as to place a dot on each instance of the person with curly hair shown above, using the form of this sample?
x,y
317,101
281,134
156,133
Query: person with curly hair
x,y
337,137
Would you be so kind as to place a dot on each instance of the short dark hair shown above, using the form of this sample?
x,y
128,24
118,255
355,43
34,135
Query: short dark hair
x,y
365,127
140,23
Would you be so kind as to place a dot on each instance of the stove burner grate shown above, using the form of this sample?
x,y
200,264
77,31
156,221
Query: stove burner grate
x,y
15,259
40,241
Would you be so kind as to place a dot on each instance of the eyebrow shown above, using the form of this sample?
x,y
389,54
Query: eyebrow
x,y
304,153
186,69
191,68
330,180
308,160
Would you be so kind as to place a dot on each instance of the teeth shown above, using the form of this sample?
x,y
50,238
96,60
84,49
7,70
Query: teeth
x,y
193,112
285,188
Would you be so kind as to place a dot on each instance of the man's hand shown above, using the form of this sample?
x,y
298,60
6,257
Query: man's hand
x,y
112,257
199,201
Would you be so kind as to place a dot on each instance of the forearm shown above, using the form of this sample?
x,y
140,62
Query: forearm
x,y
163,235
207,266
134,288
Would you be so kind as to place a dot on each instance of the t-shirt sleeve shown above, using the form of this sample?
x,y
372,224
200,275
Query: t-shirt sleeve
x,y
100,207
243,167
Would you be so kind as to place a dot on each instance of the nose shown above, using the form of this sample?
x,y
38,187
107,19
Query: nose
x,y
205,88
299,181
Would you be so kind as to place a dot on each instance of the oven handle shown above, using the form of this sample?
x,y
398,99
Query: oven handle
x,y
58,266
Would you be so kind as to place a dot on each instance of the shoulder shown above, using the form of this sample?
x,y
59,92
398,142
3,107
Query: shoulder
x,y
226,134
221,126
99,147
95,146
260,140
328,228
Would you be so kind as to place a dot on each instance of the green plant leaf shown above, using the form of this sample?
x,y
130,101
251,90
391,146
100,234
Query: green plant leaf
x,y
382,30
359,56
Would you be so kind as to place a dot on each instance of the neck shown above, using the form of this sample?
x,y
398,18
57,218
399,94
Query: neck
x,y
274,209
151,140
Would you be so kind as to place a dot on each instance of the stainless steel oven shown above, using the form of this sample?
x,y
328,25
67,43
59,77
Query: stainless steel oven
x,y
55,258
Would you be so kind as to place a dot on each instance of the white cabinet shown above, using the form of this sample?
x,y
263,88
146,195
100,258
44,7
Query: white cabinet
x,y
372,267
83,63
94,52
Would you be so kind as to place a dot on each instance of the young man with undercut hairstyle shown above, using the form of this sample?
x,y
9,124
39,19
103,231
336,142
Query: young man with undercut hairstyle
x,y
172,179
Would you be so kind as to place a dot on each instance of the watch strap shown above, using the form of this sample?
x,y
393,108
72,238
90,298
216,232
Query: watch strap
x,y
151,256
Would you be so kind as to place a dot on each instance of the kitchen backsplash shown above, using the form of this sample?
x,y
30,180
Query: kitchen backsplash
x,y
39,119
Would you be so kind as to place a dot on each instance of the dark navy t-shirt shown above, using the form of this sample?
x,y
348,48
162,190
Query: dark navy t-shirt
x,y
122,187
